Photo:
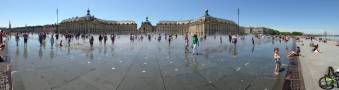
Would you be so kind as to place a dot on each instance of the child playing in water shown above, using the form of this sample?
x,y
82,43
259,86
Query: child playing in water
x,y
276,57
195,43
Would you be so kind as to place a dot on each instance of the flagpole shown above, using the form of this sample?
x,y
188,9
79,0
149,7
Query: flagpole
x,y
57,12
238,20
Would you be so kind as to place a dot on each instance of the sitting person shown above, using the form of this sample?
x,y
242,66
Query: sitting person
x,y
293,53
316,49
2,46
61,43
2,59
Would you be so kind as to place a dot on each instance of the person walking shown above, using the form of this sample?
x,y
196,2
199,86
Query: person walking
x,y
100,38
253,41
52,41
17,39
276,57
195,44
105,39
113,38
91,40
25,38
186,43
1,36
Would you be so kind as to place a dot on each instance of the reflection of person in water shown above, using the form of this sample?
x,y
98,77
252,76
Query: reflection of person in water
x,y
186,60
91,56
17,52
252,50
25,53
234,51
40,53
51,54
195,65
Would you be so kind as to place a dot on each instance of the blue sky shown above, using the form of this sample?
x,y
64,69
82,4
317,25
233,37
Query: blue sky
x,y
309,16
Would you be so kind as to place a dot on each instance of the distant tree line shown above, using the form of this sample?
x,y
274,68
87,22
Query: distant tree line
x,y
294,33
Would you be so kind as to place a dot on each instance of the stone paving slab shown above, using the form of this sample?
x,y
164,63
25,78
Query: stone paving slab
x,y
315,66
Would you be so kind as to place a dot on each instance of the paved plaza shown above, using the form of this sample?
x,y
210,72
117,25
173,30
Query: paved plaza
x,y
314,66
146,65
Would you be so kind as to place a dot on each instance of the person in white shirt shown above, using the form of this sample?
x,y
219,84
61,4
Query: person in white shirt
x,y
276,57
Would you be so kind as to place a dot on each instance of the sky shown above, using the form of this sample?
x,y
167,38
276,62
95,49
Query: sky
x,y
308,16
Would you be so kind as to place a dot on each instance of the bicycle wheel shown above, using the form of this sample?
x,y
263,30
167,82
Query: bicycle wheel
x,y
326,82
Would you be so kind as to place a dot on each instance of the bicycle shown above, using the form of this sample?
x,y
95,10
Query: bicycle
x,y
329,80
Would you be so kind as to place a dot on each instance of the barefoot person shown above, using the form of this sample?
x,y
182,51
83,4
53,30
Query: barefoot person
x,y
52,41
25,39
91,40
195,44
17,39
276,57
316,49
105,39
294,53
186,43
253,41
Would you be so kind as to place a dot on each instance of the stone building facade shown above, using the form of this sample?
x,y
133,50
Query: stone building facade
x,y
146,27
32,29
258,30
205,25
91,24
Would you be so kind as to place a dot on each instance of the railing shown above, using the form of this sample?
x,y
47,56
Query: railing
x,y
5,75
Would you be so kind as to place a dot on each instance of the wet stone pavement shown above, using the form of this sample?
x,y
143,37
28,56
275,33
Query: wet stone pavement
x,y
146,65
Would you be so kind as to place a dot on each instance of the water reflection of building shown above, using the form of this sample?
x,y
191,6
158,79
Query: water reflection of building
x,y
91,24
203,25
258,30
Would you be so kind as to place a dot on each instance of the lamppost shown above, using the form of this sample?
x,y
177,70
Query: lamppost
x,y
57,23
238,12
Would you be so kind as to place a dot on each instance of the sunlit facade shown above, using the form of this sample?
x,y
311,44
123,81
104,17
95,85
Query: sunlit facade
x,y
91,24
258,30
205,25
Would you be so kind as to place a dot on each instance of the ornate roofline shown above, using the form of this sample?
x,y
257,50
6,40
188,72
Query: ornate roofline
x,y
89,17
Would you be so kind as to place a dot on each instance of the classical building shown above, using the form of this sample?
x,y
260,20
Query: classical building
x,y
33,29
258,30
205,25
146,27
91,24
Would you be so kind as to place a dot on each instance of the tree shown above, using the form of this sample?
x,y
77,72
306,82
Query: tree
x,y
276,32
285,33
297,33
